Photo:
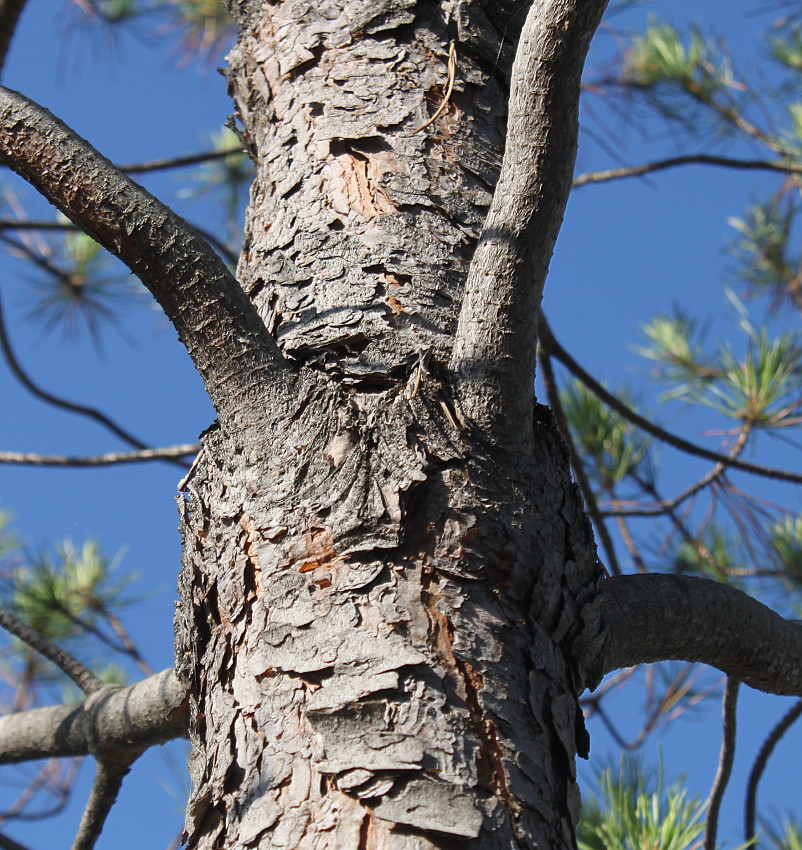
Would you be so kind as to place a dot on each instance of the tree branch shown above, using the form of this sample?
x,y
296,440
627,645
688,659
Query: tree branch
x,y
86,680
10,11
167,453
638,619
179,161
105,787
729,706
219,326
774,738
782,166
125,719
13,224
65,404
494,347
554,348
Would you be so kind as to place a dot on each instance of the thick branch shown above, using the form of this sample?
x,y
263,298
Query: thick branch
x,y
666,617
222,331
124,719
494,347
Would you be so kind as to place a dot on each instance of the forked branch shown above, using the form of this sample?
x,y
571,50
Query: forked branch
x,y
221,329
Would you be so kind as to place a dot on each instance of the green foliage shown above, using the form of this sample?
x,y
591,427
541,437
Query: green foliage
x,y
789,838
675,346
79,286
660,58
204,26
675,76
763,253
65,595
636,811
632,812
610,444
787,48
8,540
785,537
760,389
716,553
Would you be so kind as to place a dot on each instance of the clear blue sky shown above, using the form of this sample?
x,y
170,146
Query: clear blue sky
x,y
627,251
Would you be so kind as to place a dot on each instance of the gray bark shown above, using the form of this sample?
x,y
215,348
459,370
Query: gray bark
x,y
111,720
377,601
494,347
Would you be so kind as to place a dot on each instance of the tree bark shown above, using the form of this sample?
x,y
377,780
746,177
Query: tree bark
x,y
389,598
378,599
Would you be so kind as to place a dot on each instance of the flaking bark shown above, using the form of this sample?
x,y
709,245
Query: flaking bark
x,y
376,601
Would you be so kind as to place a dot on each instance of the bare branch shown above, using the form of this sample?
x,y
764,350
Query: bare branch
x,y
780,165
13,224
65,404
10,11
774,738
725,761
221,329
123,719
83,677
32,224
179,161
638,619
105,787
167,453
667,506
553,347
494,347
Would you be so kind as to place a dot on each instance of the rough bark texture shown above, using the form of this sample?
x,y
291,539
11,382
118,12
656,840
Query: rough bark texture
x,y
377,603
389,596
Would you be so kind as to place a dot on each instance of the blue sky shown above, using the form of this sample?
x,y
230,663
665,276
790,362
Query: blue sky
x,y
627,251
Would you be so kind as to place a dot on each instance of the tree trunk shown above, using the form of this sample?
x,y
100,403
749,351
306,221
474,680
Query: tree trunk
x,y
378,597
